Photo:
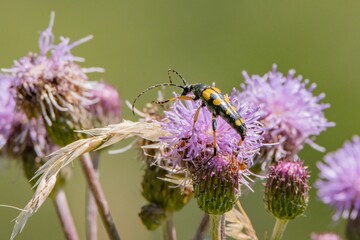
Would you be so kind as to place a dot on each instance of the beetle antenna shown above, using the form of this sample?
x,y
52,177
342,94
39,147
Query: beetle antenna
x,y
178,74
149,88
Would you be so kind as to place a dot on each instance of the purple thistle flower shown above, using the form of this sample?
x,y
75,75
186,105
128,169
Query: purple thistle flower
x,y
21,138
289,110
8,118
53,86
216,181
17,132
185,148
338,182
107,108
13,124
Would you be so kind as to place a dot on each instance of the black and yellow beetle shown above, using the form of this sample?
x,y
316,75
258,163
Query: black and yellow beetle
x,y
211,97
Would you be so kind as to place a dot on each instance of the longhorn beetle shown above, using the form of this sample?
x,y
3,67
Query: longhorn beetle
x,y
212,98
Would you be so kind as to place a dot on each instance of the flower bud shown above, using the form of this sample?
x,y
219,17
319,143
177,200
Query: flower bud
x,y
152,216
216,187
161,192
287,190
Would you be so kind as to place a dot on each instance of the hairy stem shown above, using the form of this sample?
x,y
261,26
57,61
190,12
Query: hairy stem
x,y
99,196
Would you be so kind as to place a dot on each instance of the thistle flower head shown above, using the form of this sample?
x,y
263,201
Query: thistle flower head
x,y
216,179
17,132
152,216
217,184
106,109
159,192
51,85
290,110
162,197
339,184
37,145
10,120
191,147
287,190
21,138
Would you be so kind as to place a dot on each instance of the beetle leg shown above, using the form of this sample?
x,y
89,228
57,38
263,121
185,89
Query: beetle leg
x,y
196,116
214,126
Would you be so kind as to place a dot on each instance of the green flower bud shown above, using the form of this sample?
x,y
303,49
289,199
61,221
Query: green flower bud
x,y
162,193
152,216
162,196
287,190
216,188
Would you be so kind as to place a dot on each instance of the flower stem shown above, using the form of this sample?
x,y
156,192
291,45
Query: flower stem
x,y
204,224
279,229
99,196
168,227
218,227
64,214
91,209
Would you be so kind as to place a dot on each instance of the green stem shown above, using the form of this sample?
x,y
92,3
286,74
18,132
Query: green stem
x,y
218,227
279,229
168,228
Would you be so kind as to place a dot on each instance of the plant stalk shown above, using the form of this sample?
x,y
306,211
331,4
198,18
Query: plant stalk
x,y
91,208
279,229
64,214
99,196
169,232
218,227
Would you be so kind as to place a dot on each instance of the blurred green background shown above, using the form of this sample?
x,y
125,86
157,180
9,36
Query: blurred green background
x,y
207,41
